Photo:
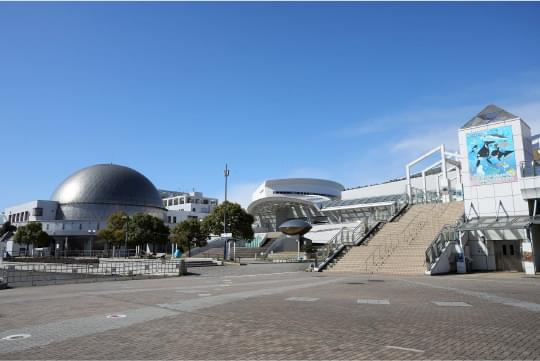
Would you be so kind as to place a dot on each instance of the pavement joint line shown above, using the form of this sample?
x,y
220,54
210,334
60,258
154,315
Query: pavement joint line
x,y
17,337
113,291
58,331
302,299
206,302
530,306
451,303
370,301
513,282
405,349
263,274
115,316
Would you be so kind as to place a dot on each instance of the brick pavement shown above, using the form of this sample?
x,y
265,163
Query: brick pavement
x,y
247,316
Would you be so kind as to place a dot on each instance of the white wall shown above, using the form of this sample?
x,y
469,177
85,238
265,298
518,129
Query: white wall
x,y
300,185
183,215
49,210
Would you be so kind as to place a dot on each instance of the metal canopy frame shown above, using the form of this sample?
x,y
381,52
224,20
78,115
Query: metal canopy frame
x,y
492,223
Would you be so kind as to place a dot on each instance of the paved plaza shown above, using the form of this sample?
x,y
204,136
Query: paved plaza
x,y
276,312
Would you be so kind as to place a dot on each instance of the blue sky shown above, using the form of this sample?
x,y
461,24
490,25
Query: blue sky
x,y
346,91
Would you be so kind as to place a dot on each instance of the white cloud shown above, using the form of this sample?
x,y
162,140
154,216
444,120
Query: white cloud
x,y
241,193
428,140
426,119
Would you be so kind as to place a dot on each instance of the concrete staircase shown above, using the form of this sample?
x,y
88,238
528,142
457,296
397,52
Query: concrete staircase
x,y
399,247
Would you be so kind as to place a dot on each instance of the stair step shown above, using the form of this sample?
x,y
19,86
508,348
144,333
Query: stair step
x,y
413,233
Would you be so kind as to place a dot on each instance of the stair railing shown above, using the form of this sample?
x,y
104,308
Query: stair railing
x,y
379,255
334,246
447,234
344,239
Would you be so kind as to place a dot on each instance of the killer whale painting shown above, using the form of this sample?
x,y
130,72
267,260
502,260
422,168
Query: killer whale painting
x,y
491,156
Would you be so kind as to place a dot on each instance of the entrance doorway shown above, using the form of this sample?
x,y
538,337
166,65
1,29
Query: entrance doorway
x,y
508,256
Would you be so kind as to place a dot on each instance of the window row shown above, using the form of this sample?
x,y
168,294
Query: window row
x,y
173,218
19,217
186,200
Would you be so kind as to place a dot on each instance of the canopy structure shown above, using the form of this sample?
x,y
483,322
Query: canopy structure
x,y
501,223
270,212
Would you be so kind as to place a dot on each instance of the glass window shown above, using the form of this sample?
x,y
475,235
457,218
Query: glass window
x,y
504,249
37,212
80,226
197,200
189,200
194,210
174,219
205,201
181,200
170,202
176,201
26,215
511,249
165,203
168,219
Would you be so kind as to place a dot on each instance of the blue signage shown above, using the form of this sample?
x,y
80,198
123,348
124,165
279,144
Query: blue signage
x,y
491,156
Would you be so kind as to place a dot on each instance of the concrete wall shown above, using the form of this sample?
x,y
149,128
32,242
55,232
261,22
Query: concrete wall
x,y
49,209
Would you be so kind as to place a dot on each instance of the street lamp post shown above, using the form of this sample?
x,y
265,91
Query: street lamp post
x,y
91,232
226,173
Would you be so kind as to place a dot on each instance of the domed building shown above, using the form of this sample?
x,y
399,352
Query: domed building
x,y
82,203
96,192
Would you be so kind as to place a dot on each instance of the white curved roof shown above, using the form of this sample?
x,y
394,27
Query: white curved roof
x,y
295,187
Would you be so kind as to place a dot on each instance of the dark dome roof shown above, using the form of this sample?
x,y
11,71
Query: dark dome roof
x,y
108,184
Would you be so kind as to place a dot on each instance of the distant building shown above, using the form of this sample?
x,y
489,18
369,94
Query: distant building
x,y
496,174
82,203
186,205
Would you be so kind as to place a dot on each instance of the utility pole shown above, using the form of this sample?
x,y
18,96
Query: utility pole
x,y
226,174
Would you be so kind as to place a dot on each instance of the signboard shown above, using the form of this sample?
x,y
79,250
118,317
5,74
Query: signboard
x,y
491,156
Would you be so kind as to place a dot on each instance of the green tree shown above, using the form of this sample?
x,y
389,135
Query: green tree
x,y
32,234
7,227
188,234
145,228
238,221
115,232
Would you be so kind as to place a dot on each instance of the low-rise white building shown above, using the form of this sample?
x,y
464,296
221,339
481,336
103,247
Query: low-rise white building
x,y
186,205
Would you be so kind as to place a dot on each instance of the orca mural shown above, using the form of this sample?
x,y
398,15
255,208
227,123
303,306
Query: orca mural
x,y
491,156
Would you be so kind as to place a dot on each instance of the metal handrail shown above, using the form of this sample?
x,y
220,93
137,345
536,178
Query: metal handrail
x,y
358,239
436,248
377,257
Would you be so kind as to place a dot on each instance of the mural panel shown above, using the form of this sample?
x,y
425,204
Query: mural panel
x,y
491,156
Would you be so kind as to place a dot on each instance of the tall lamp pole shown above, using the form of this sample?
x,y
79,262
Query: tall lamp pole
x,y
91,232
226,173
